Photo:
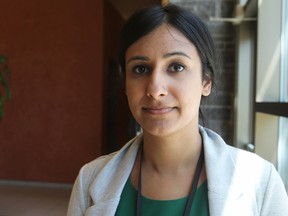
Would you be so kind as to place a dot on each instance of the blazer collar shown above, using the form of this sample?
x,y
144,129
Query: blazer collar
x,y
223,183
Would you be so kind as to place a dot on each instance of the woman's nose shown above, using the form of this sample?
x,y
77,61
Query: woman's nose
x,y
157,85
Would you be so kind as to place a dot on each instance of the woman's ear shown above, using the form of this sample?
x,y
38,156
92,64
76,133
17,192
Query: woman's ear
x,y
207,86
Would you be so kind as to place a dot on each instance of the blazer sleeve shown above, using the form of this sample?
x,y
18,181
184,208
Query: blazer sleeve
x,y
275,201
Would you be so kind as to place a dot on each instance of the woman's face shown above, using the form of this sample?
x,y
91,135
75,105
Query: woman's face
x,y
164,82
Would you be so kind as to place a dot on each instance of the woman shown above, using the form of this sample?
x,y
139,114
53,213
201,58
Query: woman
x,y
175,167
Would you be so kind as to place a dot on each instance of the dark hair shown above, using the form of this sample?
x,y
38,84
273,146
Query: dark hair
x,y
146,20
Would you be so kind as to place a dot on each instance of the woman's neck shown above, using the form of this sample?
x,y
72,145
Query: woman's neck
x,y
168,165
171,154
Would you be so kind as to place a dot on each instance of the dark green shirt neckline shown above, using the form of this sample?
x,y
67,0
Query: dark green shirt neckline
x,y
175,207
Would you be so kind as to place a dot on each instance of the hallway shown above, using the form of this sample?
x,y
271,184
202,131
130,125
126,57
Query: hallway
x,y
33,199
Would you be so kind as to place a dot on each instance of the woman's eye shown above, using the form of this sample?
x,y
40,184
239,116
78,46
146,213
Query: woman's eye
x,y
176,67
140,69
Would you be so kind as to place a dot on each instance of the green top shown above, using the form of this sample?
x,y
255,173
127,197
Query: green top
x,y
127,204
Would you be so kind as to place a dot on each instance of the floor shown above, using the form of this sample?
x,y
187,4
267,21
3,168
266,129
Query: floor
x,y
33,199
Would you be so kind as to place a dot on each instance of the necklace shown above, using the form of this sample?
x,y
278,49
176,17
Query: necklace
x,y
193,189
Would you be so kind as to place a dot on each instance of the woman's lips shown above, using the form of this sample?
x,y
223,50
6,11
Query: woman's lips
x,y
158,110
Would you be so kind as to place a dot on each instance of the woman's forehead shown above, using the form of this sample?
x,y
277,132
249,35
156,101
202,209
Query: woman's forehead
x,y
164,38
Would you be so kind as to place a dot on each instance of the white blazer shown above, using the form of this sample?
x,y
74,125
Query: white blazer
x,y
239,182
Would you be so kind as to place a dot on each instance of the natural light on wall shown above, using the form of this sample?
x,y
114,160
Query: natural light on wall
x,y
267,77
270,69
269,48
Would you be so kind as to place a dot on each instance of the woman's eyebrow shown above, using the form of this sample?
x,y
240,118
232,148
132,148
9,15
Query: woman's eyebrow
x,y
135,58
144,58
176,54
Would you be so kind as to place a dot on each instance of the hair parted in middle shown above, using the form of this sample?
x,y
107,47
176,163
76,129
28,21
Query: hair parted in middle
x,y
191,26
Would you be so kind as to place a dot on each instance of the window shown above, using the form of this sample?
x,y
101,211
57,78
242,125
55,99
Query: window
x,y
271,92
261,108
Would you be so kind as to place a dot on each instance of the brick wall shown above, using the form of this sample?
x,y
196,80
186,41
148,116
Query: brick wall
x,y
218,109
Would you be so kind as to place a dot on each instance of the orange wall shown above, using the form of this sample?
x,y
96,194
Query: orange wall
x,y
53,123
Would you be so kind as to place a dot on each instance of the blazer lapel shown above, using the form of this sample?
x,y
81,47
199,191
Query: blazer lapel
x,y
107,187
223,188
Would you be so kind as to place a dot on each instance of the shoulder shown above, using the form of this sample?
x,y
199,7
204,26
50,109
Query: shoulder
x,y
247,163
88,172
100,164
261,176
239,158
242,171
102,178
